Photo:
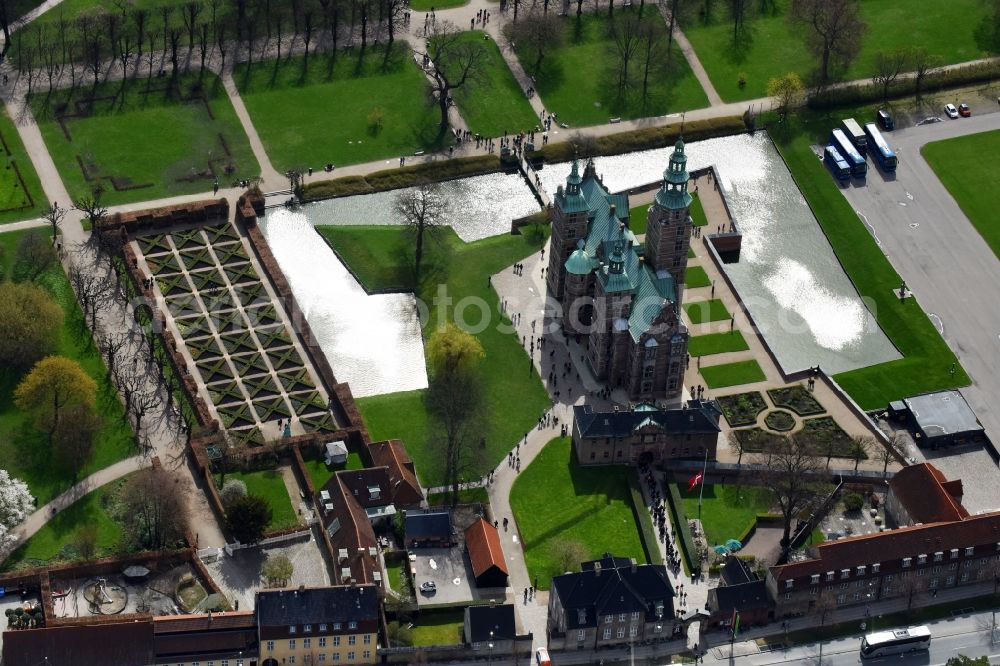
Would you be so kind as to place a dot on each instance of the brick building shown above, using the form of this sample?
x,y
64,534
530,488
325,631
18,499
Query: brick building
x,y
625,298
954,550
646,433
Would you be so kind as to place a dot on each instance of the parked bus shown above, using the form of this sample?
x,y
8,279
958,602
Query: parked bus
x,y
895,641
836,163
850,154
880,150
857,136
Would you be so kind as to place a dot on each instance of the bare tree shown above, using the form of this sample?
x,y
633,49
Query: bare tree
x,y
74,438
568,554
33,256
54,216
539,32
112,345
888,67
736,445
422,210
861,447
192,10
653,55
923,63
794,472
154,510
455,64
92,291
143,401
140,17
833,32
738,10
625,45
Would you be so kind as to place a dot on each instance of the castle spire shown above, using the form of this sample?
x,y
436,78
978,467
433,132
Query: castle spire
x,y
673,194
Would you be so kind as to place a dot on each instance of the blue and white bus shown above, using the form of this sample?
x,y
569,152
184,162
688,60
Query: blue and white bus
x,y
857,136
879,148
850,154
895,641
836,163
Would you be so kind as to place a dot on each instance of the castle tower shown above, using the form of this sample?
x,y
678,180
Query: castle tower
x,y
612,306
669,230
569,225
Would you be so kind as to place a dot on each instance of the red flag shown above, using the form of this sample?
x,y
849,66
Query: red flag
x,y
694,481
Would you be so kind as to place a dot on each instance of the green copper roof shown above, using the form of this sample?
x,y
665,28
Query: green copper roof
x,y
651,295
673,199
571,199
579,263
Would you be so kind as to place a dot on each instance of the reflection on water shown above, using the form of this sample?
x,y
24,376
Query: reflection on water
x,y
788,275
372,342
477,207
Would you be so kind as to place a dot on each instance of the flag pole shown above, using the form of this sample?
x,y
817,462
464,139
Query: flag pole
x,y
701,491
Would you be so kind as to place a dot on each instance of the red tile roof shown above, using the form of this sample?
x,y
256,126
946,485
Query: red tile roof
x,y
980,531
391,453
353,534
81,645
483,543
360,482
924,492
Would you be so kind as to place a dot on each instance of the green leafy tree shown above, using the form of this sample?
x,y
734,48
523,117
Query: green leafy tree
x,y
962,660
232,490
277,570
833,30
786,91
33,256
55,386
452,351
248,518
29,325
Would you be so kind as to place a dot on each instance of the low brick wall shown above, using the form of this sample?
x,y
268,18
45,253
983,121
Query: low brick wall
x,y
161,219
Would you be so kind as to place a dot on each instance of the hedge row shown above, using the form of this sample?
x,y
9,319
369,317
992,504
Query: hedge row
x,y
688,550
644,520
869,93
391,179
644,139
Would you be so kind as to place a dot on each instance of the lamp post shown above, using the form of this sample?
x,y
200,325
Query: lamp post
x,y
491,649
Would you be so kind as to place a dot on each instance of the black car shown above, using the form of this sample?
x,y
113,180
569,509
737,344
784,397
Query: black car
x,y
884,119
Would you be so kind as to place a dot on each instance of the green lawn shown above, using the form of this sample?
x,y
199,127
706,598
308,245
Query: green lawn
x,y
23,453
973,181
700,312
732,374
555,499
308,117
927,360
398,577
515,397
61,533
440,627
145,143
727,511
776,47
696,277
716,343
21,198
320,472
697,212
637,220
465,496
495,104
577,80
269,485
427,5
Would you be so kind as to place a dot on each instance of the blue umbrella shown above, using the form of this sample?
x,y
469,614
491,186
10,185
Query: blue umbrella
x,y
733,545
721,550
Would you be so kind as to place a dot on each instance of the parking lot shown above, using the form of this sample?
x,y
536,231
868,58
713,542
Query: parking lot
x,y
450,571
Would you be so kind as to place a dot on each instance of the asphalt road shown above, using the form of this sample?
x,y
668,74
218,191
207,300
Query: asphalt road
x,y
968,635
945,262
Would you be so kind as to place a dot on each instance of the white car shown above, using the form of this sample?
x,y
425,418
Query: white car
x,y
428,587
951,111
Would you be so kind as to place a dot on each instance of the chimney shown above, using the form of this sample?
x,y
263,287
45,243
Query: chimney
x,y
597,568
611,209
493,603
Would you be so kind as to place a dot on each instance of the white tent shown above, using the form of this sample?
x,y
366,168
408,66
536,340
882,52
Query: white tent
x,y
336,452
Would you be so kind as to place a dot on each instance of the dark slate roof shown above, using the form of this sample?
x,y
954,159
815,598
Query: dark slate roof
x,y
481,620
317,605
611,586
371,487
701,419
943,413
423,524
745,597
736,572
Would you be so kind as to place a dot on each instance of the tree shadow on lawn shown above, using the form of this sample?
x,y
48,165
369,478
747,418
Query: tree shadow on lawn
x,y
740,47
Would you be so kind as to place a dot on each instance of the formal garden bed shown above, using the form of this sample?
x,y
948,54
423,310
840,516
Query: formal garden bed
x,y
21,195
779,420
742,409
830,437
797,399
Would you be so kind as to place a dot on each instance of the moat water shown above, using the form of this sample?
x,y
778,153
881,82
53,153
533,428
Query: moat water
x,y
374,341
788,275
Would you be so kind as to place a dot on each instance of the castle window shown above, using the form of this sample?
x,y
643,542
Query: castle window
x,y
680,231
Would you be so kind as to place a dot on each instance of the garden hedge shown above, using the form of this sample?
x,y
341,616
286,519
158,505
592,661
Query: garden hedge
x,y
686,542
646,138
391,179
644,520
869,93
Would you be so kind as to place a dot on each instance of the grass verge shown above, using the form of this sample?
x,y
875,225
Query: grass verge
x,y
727,511
717,343
701,312
270,485
556,500
732,374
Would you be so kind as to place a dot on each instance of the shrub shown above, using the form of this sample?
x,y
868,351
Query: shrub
x,y
853,502
30,322
232,490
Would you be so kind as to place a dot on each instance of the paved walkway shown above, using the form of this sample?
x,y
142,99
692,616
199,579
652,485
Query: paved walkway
x,y
692,58
270,178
